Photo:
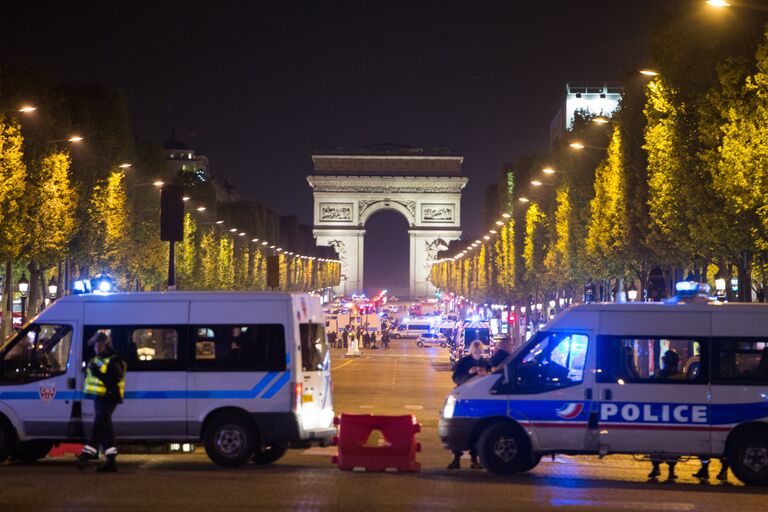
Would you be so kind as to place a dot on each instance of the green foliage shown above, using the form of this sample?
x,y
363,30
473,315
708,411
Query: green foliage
x,y
13,174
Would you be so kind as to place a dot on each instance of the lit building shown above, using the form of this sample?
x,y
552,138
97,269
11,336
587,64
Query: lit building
x,y
596,98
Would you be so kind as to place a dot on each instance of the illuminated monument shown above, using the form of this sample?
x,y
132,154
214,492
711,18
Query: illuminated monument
x,y
597,98
351,185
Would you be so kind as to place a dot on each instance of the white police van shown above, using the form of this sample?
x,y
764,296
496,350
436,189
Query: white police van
x,y
593,381
246,373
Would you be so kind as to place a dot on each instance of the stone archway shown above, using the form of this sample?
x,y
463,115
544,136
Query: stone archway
x,y
349,187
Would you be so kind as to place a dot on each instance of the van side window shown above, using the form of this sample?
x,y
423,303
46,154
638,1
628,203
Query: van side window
x,y
741,361
143,348
650,360
41,351
258,347
553,361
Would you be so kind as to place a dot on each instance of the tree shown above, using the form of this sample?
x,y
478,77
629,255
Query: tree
x,y
13,172
49,220
535,246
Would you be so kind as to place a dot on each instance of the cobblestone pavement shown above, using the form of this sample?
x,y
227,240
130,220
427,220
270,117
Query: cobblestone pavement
x,y
399,381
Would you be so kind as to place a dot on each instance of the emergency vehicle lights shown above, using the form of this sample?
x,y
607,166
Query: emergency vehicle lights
x,y
103,283
687,288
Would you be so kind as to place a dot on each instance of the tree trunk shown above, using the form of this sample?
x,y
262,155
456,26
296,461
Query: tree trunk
x,y
34,289
745,277
7,323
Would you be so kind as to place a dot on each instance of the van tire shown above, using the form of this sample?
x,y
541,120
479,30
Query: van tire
x,y
7,439
396,336
443,345
230,440
270,454
504,450
31,451
420,344
748,458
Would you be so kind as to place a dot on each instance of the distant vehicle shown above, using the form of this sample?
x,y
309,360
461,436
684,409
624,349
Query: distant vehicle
x,y
412,329
431,339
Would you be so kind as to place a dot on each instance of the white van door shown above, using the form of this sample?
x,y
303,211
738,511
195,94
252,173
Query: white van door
x,y
552,391
654,394
314,377
38,370
155,404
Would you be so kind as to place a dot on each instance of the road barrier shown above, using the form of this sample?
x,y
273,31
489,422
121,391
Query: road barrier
x,y
59,450
397,452
353,349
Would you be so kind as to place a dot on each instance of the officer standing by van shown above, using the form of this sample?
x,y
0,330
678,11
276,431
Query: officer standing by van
x,y
105,384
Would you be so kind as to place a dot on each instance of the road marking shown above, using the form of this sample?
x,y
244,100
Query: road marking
x,y
345,364
415,407
366,407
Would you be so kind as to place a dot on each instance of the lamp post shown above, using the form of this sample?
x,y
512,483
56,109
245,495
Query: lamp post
x,y
632,293
23,289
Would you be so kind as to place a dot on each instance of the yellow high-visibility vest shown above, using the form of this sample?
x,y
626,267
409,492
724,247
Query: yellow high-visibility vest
x,y
93,385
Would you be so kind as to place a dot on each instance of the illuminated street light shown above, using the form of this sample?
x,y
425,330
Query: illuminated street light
x,y
523,199
486,237
265,243
499,223
25,109
601,120
506,215
548,170
254,240
718,3
649,72
158,183
125,165
536,183
219,222
185,198
577,145
478,242
492,231
75,138
201,208
242,233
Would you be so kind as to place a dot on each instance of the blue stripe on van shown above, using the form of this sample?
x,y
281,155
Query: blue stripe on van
x,y
242,394
277,386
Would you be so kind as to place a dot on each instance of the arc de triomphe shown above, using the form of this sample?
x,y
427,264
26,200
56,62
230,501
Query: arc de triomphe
x,y
350,186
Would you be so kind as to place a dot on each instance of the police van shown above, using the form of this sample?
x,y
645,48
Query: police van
x,y
685,378
245,373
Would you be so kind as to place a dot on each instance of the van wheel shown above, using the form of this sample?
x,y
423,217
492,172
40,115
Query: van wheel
x,y
443,345
420,344
748,458
396,336
31,451
230,440
269,454
504,450
7,439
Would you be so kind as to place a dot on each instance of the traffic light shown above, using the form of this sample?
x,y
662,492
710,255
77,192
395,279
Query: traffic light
x,y
172,213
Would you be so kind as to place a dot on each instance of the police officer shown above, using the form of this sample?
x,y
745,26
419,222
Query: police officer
x,y
105,384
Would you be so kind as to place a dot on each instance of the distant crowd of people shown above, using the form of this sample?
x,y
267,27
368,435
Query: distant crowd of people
x,y
365,338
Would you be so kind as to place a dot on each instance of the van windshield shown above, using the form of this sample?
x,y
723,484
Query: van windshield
x,y
38,352
314,347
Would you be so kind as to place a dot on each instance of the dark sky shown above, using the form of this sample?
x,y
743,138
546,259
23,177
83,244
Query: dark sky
x,y
257,86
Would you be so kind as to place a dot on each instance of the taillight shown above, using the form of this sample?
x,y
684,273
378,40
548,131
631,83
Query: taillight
x,y
298,392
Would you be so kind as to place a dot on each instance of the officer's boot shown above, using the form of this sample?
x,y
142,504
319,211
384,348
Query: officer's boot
x,y
456,462
655,472
88,453
723,474
703,472
110,466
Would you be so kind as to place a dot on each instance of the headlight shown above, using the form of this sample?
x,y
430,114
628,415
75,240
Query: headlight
x,y
450,404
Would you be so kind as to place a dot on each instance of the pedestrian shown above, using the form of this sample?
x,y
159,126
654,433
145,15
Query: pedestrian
x,y
345,338
373,339
105,385
504,351
703,472
468,367
385,340
366,339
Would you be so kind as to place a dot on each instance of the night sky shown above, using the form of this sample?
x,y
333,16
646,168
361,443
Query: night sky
x,y
258,86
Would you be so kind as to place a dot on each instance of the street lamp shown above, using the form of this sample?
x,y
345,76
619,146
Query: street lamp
x,y
523,199
649,72
26,109
125,165
601,120
718,3
23,289
632,293
548,170
576,145
53,289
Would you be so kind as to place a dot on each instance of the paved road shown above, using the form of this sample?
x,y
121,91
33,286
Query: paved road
x,y
402,380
